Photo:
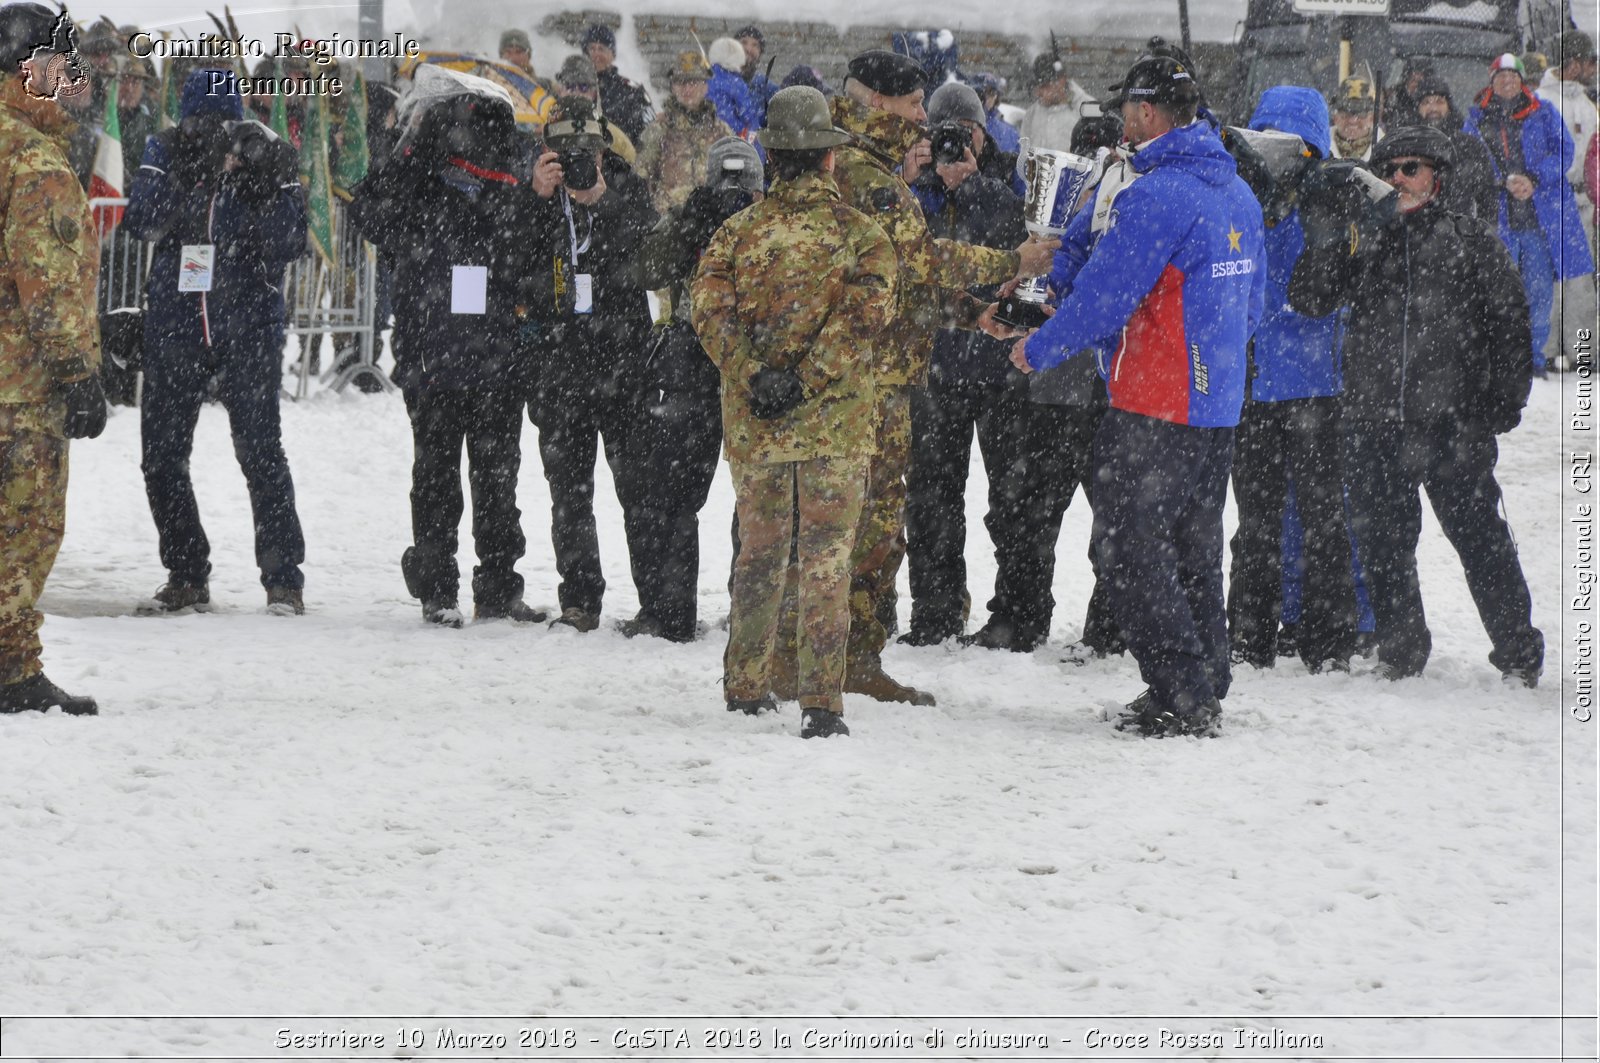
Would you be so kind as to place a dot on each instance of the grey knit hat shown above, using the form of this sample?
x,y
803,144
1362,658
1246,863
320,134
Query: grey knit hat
x,y
752,175
955,102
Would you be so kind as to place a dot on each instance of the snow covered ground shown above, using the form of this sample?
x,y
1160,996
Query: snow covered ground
x,y
350,813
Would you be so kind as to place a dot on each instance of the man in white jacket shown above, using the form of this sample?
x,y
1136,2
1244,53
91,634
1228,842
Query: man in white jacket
x,y
1572,66
1057,105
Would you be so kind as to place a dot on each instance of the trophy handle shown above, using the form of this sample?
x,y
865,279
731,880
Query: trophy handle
x,y
1022,156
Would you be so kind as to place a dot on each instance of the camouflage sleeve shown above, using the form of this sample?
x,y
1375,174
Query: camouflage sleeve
x,y
925,259
45,243
716,310
861,312
648,155
665,254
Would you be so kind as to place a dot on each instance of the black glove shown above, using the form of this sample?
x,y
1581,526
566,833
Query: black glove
x,y
266,163
1498,417
199,146
774,392
86,408
1331,201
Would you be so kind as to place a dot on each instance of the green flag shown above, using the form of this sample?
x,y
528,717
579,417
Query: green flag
x,y
171,93
352,165
280,109
315,177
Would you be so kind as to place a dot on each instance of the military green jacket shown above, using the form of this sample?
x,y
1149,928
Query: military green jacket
x,y
49,259
934,273
798,281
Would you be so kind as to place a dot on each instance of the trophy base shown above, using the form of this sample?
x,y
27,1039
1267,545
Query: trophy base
x,y
1016,313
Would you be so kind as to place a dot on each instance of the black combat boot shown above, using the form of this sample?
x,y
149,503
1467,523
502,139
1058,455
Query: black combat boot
x,y
753,706
177,596
37,694
821,723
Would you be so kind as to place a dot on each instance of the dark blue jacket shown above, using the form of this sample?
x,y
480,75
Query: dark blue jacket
x,y
1296,357
1547,153
1180,274
252,246
731,97
1006,136
980,211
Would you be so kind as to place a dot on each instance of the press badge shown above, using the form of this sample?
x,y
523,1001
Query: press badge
x,y
469,289
195,267
583,293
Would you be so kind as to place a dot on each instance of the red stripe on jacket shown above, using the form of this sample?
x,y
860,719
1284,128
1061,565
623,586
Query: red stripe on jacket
x,y
1150,374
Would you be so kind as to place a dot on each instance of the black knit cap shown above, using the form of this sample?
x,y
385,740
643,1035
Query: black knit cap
x,y
888,73
753,31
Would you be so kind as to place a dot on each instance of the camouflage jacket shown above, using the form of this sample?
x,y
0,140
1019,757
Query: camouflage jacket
x,y
49,334
672,152
933,273
803,282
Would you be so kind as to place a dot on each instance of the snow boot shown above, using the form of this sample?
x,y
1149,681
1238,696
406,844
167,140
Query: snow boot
x,y
821,723
285,601
177,596
577,619
753,706
518,612
870,679
444,613
1002,634
930,632
1521,678
38,694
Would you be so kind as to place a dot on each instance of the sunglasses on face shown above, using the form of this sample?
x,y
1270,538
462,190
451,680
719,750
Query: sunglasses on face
x,y
1410,168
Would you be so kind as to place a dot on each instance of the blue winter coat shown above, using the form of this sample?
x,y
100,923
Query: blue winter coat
x,y
1296,357
244,309
1180,273
1003,133
731,97
1547,153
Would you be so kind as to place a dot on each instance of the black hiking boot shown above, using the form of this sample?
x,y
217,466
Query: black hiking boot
x,y
444,613
518,612
821,723
38,694
1000,634
176,596
753,706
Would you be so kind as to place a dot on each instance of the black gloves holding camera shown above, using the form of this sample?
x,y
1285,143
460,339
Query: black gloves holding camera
x,y
774,392
86,408
199,146
266,163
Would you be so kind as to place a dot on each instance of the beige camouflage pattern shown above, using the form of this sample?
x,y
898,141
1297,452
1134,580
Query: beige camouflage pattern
x,y
33,517
880,546
49,334
934,273
798,281
829,491
673,151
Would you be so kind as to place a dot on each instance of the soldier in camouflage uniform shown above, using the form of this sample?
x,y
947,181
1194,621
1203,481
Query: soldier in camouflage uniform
x,y
882,110
674,148
786,300
49,344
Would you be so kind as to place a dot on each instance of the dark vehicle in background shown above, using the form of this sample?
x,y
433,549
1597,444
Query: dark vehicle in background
x,y
1279,45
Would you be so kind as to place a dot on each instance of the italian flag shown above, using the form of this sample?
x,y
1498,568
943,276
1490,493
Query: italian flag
x,y
107,181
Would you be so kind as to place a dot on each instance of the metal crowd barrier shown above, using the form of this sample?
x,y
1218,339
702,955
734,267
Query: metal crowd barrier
x,y
340,299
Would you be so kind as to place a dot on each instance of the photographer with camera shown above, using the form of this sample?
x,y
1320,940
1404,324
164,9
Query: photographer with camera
x,y
589,322
220,198
444,211
673,447
970,383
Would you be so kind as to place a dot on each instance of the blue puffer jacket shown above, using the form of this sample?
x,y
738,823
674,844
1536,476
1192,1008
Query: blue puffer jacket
x,y
1547,154
731,97
1180,274
1296,357
244,310
1003,133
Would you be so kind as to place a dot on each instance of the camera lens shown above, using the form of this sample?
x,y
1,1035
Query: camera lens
x,y
578,170
949,142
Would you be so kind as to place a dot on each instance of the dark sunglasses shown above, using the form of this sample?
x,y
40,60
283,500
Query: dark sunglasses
x,y
1410,168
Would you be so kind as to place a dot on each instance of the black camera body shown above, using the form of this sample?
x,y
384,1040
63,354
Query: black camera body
x,y
950,142
579,171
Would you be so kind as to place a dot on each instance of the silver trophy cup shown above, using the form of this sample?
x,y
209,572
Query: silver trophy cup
x,y
1055,181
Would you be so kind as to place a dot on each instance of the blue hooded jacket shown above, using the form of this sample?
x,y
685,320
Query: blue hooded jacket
x,y
1547,154
1296,357
730,95
244,310
1180,274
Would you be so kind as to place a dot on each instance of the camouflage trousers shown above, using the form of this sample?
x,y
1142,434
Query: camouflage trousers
x,y
881,534
829,493
33,517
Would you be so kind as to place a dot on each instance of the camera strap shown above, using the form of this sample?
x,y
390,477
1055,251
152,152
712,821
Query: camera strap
x,y
582,283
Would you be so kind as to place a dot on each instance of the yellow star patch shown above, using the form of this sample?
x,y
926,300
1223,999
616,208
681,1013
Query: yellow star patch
x,y
1233,238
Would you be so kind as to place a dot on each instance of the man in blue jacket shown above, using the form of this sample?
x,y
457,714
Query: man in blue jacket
x,y
1289,432
1178,273
220,199
1539,222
